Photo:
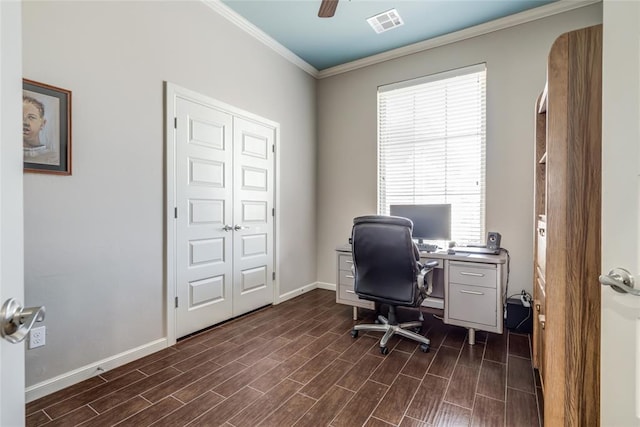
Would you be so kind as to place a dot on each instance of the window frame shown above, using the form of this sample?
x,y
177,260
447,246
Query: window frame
x,y
480,69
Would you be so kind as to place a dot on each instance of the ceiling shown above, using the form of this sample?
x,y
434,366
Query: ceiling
x,y
329,42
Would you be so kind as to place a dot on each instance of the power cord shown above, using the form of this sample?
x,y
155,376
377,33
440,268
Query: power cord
x,y
525,319
506,288
525,298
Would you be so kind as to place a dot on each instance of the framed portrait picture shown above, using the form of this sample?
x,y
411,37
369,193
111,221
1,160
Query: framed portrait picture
x,y
46,128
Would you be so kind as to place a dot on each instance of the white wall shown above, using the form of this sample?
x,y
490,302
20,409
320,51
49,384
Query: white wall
x,y
347,142
94,240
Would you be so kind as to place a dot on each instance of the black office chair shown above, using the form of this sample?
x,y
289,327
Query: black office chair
x,y
388,271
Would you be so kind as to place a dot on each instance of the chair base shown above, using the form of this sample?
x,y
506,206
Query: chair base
x,y
391,329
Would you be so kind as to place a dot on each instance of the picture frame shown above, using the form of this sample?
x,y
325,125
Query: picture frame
x,y
46,128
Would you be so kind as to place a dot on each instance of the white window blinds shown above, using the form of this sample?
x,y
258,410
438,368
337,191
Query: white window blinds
x,y
431,146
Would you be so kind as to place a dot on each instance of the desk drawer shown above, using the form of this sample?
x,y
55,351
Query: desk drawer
x,y
472,304
346,294
345,262
474,274
346,278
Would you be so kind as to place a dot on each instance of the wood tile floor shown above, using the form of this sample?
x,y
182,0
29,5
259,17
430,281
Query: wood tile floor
x,y
296,364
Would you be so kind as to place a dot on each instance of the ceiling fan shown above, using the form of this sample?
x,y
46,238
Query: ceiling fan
x,y
327,8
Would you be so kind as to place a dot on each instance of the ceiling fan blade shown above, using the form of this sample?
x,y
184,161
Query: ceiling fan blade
x,y
327,8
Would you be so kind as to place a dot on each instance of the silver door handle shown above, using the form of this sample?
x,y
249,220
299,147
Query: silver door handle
x,y
227,228
16,321
239,227
621,281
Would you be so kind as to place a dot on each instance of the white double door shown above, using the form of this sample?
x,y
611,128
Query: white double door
x,y
224,195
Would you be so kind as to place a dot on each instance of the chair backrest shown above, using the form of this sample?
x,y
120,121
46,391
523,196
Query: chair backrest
x,y
384,258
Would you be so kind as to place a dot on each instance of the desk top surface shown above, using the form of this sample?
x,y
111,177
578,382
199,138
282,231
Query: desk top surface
x,y
500,258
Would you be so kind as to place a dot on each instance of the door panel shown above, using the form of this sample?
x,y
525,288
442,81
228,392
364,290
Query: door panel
x,y
204,191
620,334
12,374
253,204
224,179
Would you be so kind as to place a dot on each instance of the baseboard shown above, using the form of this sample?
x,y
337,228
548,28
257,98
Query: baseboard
x,y
327,286
52,385
304,289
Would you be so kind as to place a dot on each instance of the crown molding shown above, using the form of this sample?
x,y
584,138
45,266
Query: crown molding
x,y
478,30
260,35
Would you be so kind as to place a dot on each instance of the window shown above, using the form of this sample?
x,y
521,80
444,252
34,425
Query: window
x,y
431,146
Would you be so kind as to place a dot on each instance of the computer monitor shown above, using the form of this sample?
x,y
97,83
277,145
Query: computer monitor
x,y
430,222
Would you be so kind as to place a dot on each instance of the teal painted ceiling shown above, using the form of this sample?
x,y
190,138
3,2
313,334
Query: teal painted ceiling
x,y
328,42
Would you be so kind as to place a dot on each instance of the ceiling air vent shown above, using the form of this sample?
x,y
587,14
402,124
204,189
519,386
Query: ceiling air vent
x,y
385,21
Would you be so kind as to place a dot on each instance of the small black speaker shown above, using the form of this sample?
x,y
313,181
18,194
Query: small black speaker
x,y
493,240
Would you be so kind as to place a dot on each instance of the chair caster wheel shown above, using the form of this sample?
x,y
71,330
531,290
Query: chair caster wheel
x,y
424,348
354,333
384,350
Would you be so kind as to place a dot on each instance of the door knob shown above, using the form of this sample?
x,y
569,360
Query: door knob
x,y
16,321
621,281
227,227
239,227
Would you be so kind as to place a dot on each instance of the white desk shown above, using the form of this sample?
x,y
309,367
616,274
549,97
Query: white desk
x,y
468,287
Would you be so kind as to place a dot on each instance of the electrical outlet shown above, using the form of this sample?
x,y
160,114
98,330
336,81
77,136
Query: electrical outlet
x,y
37,337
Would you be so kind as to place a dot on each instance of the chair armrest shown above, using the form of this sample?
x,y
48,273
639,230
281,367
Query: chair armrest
x,y
425,282
431,264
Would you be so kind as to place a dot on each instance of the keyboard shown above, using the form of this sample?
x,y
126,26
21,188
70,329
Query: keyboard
x,y
426,247
476,250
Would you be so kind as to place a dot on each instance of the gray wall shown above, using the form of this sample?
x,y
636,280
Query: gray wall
x,y
347,143
94,241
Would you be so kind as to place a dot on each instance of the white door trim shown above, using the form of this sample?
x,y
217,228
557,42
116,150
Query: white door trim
x,y
12,366
172,92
